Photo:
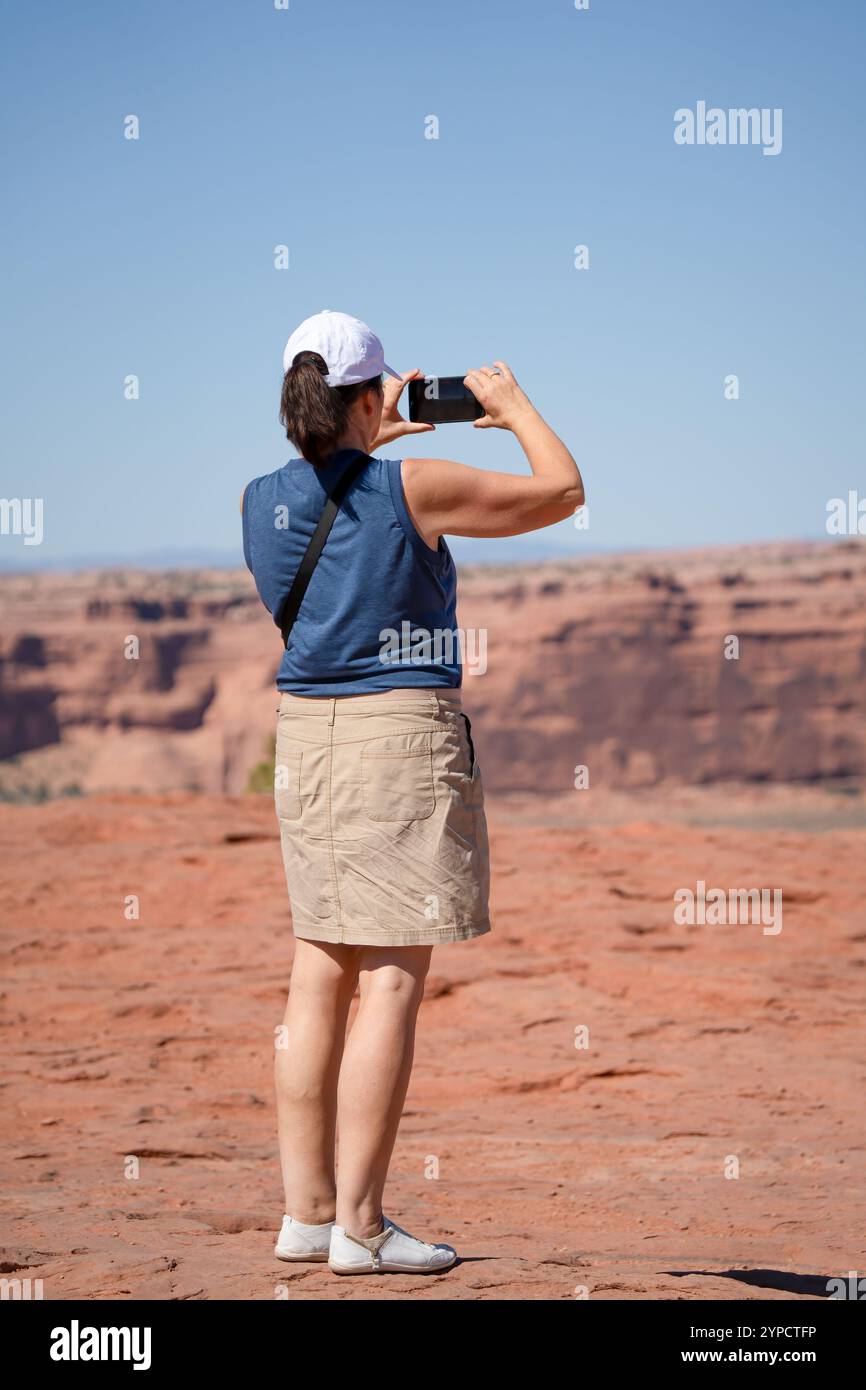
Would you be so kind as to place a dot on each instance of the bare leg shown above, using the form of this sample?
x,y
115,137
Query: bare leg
x,y
324,978
374,1077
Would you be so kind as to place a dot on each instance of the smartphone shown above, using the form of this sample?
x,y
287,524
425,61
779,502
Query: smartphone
x,y
442,400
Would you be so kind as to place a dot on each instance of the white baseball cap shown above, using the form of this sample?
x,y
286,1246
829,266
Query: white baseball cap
x,y
351,349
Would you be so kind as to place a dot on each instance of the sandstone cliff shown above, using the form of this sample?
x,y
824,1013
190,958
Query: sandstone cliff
x,y
140,681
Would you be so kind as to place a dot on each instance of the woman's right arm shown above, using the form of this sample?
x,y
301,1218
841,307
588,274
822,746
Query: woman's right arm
x,y
446,498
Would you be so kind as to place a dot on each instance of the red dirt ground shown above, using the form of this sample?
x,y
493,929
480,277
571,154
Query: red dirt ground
x,y
560,1170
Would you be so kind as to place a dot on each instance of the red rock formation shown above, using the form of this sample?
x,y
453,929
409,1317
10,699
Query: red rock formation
x,y
616,663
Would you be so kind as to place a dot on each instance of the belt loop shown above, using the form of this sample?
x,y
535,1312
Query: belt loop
x,y
434,701
333,709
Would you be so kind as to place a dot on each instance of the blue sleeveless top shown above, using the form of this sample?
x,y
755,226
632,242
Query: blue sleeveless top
x,y
380,611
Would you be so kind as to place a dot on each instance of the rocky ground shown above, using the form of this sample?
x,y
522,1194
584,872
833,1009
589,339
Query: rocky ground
x,y
139,1152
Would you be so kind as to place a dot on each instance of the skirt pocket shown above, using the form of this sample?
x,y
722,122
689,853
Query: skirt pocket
x,y
397,784
287,784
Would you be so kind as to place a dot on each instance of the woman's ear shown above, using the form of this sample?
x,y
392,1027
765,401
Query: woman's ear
x,y
373,406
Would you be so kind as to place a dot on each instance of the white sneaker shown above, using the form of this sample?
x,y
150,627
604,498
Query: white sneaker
x,y
392,1251
299,1242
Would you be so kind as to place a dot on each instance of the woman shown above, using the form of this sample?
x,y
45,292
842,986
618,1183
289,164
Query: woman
x,y
378,793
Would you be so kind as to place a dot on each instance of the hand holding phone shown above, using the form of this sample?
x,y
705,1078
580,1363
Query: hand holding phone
x,y
502,400
392,425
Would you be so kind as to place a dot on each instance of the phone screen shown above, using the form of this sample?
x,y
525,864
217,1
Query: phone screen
x,y
441,400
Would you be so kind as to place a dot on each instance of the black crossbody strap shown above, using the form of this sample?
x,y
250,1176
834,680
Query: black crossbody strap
x,y
288,611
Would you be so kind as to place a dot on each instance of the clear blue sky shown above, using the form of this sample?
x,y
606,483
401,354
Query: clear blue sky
x,y
306,127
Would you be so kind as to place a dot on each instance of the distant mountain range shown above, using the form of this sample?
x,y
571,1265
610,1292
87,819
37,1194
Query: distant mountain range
x,y
510,550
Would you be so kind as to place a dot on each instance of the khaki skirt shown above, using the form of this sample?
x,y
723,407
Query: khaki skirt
x,y
381,814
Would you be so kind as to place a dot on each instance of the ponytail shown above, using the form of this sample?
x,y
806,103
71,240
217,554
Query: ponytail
x,y
314,414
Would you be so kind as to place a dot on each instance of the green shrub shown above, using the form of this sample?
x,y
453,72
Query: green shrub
x,y
261,777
